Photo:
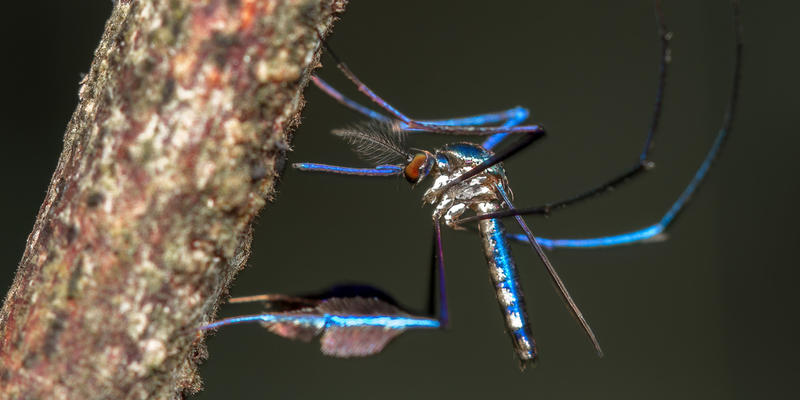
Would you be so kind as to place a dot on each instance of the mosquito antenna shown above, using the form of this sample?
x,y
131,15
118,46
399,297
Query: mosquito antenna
x,y
378,142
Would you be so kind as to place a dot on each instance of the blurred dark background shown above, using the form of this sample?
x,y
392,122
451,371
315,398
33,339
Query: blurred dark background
x,y
710,313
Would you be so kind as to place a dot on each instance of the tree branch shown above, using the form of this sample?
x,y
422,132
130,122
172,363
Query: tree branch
x,y
181,131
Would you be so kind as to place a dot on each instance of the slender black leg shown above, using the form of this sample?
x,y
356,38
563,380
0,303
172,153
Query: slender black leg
x,y
642,164
420,125
438,261
669,217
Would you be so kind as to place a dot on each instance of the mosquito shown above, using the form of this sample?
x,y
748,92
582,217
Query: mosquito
x,y
465,177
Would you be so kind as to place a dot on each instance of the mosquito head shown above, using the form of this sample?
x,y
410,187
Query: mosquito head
x,y
419,166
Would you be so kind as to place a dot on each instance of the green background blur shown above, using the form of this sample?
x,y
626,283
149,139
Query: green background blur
x,y
710,313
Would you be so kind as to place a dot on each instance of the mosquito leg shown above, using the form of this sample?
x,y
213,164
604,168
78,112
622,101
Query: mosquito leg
x,y
642,235
652,231
391,170
270,298
422,125
381,170
517,119
516,114
438,261
330,91
642,164
547,208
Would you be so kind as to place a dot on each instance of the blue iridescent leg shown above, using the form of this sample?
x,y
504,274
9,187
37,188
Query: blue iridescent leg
x,y
356,324
652,231
354,320
642,163
512,117
380,170
420,125
379,138
517,119
345,333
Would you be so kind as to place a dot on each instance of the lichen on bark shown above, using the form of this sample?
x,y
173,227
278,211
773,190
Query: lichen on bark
x,y
181,130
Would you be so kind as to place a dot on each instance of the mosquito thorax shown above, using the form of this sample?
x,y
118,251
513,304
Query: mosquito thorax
x,y
453,161
457,158
418,167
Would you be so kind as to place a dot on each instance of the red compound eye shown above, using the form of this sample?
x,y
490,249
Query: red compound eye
x,y
418,168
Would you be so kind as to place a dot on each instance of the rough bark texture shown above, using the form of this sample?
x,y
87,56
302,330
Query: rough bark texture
x,y
174,148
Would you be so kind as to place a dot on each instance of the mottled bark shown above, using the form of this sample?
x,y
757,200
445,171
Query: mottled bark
x,y
181,130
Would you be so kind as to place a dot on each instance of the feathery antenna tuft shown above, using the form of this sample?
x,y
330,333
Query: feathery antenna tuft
x,y
377,142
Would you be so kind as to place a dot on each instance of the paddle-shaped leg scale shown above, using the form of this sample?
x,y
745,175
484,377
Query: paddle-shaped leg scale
x,y
353,321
